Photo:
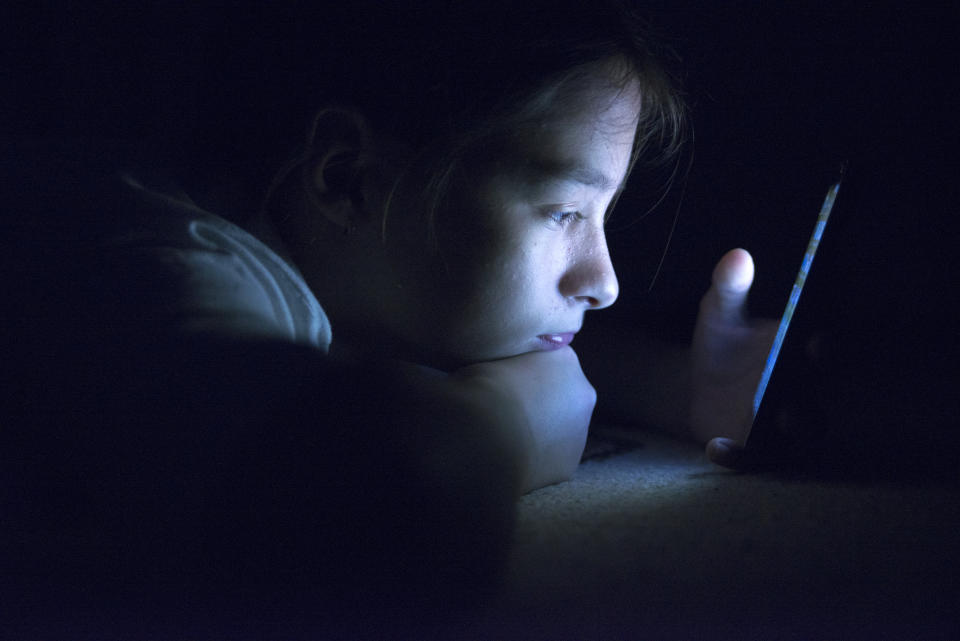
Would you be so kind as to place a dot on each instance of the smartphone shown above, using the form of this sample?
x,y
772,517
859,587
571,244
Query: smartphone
x,y
782,386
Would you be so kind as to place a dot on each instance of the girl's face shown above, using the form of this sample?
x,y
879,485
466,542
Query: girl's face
x,y
522,248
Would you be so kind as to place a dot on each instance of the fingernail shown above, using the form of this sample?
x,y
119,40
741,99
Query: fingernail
x,y
719,449
724,449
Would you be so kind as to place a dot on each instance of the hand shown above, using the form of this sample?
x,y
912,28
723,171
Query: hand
x,y
729,352
552,404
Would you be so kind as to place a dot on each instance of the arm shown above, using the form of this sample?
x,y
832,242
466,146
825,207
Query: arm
x,y
522,420
702,391
268,470
546,403
263,479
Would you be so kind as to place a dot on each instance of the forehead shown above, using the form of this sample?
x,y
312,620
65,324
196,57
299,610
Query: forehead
x,y
583,130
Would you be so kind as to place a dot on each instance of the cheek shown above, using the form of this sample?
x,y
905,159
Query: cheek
x,y
486,274
474,246
512,288
497,262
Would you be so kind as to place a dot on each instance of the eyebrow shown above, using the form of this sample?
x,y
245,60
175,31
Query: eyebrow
x,y
573,171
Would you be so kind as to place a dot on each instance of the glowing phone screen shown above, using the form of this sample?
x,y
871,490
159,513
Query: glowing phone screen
x,y
795,292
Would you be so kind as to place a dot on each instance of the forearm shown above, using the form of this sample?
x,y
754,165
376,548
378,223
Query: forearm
x,y
542,403
265,470
462,431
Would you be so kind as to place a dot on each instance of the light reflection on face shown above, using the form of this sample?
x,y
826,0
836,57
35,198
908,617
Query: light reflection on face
x,y
523,251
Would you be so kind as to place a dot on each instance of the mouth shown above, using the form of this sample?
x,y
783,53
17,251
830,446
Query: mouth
x,y
555,341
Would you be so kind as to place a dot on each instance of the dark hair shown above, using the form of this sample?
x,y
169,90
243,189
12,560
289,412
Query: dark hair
x,y
435,76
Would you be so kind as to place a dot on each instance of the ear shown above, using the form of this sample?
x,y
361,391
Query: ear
x,y
337,172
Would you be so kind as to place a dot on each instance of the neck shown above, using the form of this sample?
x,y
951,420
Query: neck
x,y
266,232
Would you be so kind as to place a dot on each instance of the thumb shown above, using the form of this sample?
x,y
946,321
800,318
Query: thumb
x,y
725,451
732,278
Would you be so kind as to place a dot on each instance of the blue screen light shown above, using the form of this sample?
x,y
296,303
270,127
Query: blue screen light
x,y
795,293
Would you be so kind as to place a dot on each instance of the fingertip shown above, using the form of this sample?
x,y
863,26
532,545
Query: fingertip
x,y
734,272
724,451
741,256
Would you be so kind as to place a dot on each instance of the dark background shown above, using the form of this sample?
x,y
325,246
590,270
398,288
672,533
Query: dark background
x,y
778,95
778,98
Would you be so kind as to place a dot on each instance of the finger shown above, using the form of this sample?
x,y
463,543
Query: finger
x,y
724,451
732,278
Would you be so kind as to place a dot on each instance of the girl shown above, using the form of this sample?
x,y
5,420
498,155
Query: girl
x,y
337,400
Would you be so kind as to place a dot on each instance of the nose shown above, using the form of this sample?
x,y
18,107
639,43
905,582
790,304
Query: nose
x,y
589,277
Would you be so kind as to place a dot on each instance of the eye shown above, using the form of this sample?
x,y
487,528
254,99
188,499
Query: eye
x,y
561,218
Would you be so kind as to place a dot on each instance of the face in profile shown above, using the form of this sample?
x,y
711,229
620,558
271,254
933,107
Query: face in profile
x,y
521,251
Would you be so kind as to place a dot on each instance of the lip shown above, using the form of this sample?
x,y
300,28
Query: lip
x,y
555,341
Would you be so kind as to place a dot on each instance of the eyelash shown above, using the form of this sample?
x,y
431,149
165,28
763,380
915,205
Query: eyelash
x,y
563,218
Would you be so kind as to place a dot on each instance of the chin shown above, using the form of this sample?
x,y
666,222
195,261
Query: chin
x,y
454,361
454,354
